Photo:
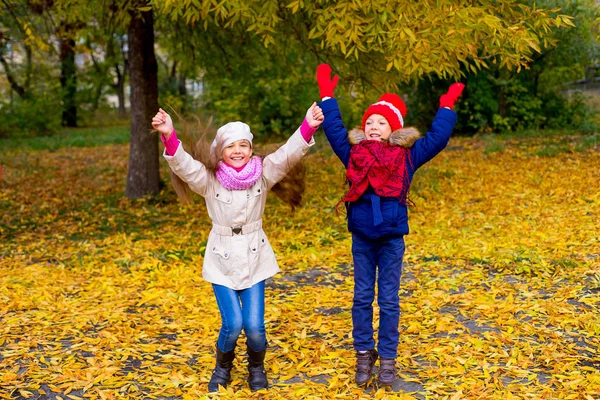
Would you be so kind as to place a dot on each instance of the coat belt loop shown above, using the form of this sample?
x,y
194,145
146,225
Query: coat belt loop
x,y
376,207
244,229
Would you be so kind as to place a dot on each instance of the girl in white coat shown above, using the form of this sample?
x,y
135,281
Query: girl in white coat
x,y
239,257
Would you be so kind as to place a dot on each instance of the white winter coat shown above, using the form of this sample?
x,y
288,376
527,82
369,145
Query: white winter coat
x,y
238,261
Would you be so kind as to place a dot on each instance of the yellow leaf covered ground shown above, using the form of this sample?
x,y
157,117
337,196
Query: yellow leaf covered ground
x,y
102,297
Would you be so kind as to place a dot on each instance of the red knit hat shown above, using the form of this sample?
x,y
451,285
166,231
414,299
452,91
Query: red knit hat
x,y
391,107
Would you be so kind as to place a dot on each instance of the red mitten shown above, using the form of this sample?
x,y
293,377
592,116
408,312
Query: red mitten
x,y
454,92
326,84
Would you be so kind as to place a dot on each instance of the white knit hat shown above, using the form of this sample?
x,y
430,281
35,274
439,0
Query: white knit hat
x,y
227,134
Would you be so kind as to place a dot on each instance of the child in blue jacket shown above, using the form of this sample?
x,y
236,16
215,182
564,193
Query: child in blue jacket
x,y
380,162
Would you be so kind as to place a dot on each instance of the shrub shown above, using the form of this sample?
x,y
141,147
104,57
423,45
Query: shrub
x,y
39,116
568,111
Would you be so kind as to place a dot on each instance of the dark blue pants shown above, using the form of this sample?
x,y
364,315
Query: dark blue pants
x,y
242,309
370,255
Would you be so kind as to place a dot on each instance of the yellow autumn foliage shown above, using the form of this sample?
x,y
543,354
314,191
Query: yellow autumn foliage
x,y
102,297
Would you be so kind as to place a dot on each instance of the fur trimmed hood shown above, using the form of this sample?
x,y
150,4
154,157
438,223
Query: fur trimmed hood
x,y
404,137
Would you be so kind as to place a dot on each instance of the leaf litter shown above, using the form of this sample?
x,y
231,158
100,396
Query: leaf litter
x,y
102,297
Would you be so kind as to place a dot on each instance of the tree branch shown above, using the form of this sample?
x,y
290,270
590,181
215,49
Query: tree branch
x,y
11,79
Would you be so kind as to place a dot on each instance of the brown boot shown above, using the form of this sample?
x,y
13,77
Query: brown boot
x,y
364,365
387,371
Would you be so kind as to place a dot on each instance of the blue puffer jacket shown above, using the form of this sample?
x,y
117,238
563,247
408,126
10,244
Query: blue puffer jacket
x,y
374,216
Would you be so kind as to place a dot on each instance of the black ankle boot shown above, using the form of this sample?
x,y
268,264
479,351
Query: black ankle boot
x,y
222,372
256,368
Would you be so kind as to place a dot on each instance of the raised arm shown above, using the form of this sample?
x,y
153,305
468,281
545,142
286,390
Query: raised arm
x,y
163,123
335,131
280,162
191,171
439,134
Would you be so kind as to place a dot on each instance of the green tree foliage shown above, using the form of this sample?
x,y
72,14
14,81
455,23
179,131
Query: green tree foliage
x,y
258,57
17,41
410,39
29,85
241,79
38,44
575,50
374,46
105,73
505,100
64,21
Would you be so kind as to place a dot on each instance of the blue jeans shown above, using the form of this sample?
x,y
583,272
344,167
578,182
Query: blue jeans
x,y
241,309
369,254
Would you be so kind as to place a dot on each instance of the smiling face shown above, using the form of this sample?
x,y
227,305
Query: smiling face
x,y
377,128
238,153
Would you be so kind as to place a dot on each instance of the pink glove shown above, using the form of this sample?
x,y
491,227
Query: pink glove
x,y
326,84
454,92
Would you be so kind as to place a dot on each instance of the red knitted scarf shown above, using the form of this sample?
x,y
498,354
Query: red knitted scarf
x,y
381,165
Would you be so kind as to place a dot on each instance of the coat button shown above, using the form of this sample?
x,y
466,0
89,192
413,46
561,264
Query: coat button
x,y
254,249
258,190
217,194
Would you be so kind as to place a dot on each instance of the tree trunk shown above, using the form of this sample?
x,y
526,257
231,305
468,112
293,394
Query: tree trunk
x,y
68,82
100,83
182,87
97,96
123,78
121,96
143,175
14,86
120,89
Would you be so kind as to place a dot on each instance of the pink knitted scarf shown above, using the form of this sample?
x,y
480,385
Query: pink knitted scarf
x,y
246,177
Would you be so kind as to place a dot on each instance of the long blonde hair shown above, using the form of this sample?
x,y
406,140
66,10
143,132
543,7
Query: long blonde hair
x,y
290,189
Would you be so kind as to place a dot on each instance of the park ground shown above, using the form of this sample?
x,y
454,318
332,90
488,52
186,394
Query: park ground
x,y
102,297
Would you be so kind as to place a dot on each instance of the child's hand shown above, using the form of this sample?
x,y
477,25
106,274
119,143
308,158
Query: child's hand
x,y
162,122
314,116
326,84
454,92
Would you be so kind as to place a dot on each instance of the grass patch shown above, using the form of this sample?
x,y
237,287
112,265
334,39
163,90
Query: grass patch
x,y
541,134
79,137
552,150
542,143
493,145
588,142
